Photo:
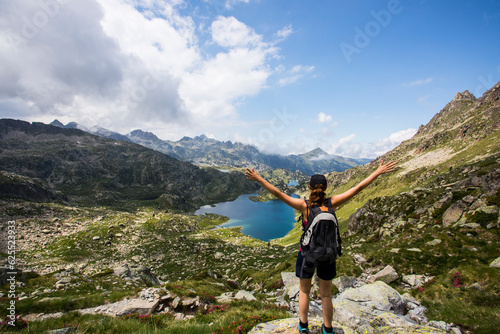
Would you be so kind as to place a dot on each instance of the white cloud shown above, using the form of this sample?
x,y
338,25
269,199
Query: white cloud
x,y
229,32
294,74
348,147
418,82
384,145
324,118
108,62
285,32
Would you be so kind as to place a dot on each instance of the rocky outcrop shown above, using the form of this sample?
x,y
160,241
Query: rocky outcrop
x,y
371,308
25,188
383,216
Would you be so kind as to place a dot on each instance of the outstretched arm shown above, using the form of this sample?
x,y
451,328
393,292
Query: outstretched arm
x,y
338,200
296,203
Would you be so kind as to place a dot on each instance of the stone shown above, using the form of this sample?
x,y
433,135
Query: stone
x,y
417,314
218,256
96,238
392,320
289,326
291,283
414,250
139,306
66,330
345,282
434,242
242,294
413,280
440,325
387,275
495,263
453,213
357,307
394,250
225,298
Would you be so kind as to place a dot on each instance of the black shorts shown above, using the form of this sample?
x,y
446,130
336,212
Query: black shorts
x,y
325,270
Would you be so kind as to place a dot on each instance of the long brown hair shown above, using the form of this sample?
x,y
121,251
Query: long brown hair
x,y
317,195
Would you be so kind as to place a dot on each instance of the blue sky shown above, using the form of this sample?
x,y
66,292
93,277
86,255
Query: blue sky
x,y
352,77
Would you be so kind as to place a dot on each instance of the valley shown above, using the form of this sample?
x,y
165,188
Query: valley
x,y
103,224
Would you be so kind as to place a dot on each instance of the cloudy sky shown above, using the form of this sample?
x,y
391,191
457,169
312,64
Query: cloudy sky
x,y
352,77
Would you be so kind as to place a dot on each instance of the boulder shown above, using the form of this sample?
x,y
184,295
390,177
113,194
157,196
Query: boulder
x,y
291,283
495,263
392,320
357,307
414,281
242,294
345,282
136,273
453,213
139,306
387,275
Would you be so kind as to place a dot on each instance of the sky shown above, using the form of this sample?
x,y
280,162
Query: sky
x,y
352,77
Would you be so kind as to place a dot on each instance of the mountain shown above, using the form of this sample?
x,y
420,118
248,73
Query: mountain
x,y
209,152
89,169
204,151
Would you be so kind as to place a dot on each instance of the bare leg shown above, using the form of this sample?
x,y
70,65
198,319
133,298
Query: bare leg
x,y
305,289
325,291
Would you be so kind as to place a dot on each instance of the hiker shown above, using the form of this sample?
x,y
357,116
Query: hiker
x,y
326,271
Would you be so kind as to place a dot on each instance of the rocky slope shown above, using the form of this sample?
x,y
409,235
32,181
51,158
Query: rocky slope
x,y
92,170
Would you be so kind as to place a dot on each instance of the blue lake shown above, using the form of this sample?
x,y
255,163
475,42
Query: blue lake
x,y
263,221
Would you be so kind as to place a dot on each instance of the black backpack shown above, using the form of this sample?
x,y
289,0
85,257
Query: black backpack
x,y
320,241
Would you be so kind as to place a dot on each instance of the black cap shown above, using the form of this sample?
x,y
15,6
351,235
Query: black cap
x,y
317,179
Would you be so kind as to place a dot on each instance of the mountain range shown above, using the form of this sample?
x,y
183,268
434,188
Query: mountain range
x,y
204,151
44,162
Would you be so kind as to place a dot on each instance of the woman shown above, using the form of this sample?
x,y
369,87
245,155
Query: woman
x,y
325,271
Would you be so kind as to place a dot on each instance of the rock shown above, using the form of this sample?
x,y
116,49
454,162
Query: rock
x,y
473,226
417,314
434,242
218,256
495,263
416,329
66,330
345,282
225,298
136,272
392,320
358,258
292,284
453,213
440,325
414,281
139,306
96,238
289,326
414,250
357,307
387,275
242,294
394,250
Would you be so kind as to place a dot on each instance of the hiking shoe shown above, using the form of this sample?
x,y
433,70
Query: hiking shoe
x,y
323,330
303,330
